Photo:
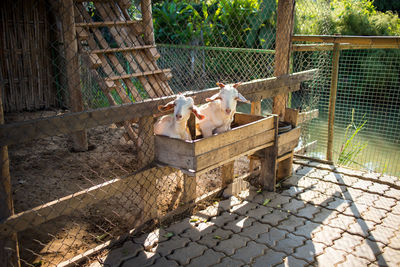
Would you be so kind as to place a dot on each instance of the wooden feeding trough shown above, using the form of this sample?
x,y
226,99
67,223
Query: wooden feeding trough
x,y
249,134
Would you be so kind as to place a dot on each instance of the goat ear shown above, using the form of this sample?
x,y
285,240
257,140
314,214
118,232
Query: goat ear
x,y
197,113
166,107
236,85
221,85
213,98
241,98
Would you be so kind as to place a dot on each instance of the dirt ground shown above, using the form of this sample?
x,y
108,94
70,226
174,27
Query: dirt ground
x,y
45,170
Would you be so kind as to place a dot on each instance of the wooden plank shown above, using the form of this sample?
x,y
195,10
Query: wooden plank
x,y
82,33
236,134
137,74
291,116
189,189
284,30
145,142
9,251
227,173
68,204
115,23
268,162
329,47
122,49
366,40
225,153
95,61
72,68
256,110
288,141
285,166
332,101
307,116
71,122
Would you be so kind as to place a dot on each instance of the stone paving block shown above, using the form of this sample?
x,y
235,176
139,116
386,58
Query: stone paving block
x,y
324,216
368,250
278,201
255,230
391,220
327,235
239,224
362,184
382,234
166,248
308,211
309,251
374,214
117,255
330,257
229,262
229,246
385,203
292,261
308,229
347,242
275,217
367,198
338,204
259,212
243,208
394,242
289,244
224,218
259,198
348,180
396,208
361,227
388,179
227,204
353,261
353,193
250,251
209,258
197,232
272,237
355,209
341,221
393,193
293,205
293,191
309,196
378,188
389,257
185,254
305,170
163,262
207,213
291,223
270,258
179,227
212,239
144,258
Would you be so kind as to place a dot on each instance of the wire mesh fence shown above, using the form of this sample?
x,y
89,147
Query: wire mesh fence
x,y
86,180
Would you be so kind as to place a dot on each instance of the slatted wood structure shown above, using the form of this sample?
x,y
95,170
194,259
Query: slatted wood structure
x,y
121,52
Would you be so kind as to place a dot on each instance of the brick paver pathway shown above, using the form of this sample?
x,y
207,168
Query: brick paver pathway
x,y
322,216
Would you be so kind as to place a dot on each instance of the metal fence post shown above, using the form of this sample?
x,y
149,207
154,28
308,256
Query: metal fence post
x,y
332,99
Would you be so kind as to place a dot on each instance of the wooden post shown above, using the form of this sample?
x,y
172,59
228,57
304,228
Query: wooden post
x,y
227,173
332,99
284,30
269,162
145,147
147,20
256,110
189,188
72,69
9,252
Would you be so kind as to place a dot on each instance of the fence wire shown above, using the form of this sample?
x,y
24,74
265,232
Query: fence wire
x,y
74,192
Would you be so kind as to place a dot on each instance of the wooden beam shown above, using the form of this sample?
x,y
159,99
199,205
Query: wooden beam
x,y
108,23
23,131
255,110
332,101
68,204
329,47
359,40
138,74
307,116
9,251
72,70
269,163
284,30
123,49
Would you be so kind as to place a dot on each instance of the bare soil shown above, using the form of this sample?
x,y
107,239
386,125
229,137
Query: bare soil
x,y
46,169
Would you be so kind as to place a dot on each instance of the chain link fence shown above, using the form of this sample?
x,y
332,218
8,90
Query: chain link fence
x,y
79,187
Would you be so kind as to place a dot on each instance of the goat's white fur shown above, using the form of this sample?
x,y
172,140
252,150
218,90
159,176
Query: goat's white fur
x,y
220,110
175,125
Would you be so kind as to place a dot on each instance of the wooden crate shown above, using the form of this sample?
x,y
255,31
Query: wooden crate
x,y
288,141
249,134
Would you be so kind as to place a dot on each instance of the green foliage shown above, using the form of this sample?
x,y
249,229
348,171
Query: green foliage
x,y
351,148
347,17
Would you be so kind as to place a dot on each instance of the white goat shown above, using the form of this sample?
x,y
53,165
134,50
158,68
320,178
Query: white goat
x,y
220,110
175,125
